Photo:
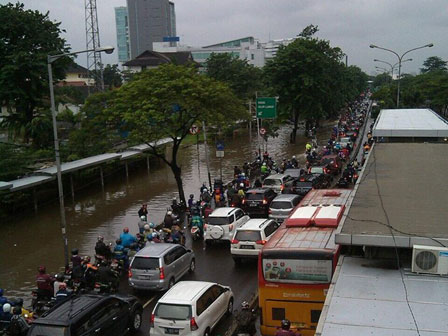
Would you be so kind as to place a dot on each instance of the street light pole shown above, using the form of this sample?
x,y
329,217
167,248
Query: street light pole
x,y
400,58
63,224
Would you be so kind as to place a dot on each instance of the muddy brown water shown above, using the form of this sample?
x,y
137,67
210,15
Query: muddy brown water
x,y
34,239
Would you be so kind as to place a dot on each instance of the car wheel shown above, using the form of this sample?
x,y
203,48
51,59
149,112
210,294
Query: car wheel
x,y
207,332
230,307
136,321
192,265
171,283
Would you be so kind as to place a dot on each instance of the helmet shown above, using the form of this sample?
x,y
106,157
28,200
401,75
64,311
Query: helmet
x,y
100,238
146,227
6,308
293,156
191,196
118,241
154,234
42,269
169,213
242,185
75,251
244,305
286,324
152,225
17,310
143,218
60,277
63,285
86,259
149,237
243,175
194,203
126,230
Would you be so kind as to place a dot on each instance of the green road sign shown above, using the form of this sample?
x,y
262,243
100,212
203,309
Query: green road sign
x,y
267,107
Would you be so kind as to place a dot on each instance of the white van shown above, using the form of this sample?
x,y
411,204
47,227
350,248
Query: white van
x,y
191,308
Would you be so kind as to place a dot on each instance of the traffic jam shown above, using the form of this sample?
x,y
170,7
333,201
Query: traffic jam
x,y
280,213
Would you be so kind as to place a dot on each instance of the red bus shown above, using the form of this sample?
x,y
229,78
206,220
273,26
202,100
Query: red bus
x,y
296,265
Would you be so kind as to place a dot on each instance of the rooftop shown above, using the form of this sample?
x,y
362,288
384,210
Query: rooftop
x,y
413,192
154,250
410,123
221,212
184,291
369,297
253,224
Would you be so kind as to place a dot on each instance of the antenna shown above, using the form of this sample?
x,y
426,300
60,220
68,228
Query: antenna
x,y
94,63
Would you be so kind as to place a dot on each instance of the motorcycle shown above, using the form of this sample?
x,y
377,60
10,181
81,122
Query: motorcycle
x,y
41,304
197,230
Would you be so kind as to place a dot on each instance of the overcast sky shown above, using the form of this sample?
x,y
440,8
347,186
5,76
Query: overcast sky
x,y
350,24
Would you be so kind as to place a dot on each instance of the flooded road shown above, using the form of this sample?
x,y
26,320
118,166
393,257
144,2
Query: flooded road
x,y
34,239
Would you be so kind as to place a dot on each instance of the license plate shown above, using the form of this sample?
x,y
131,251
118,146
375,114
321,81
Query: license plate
x,y
96,289
144,277
171,331
247,247
253,204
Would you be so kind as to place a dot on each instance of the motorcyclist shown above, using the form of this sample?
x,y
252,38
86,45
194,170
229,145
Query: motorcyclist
x,y
196,220
44,283
156,238
6,316
285,329
126,238
205,195
120,253
58,281
246,320
89,273
62,294
3,299
264,169
246,168
190,201
236,171
176,235
143,211
76,265
141,223
294,161
105,275
195,209
147,231
102,249
203,188
168,221
18,326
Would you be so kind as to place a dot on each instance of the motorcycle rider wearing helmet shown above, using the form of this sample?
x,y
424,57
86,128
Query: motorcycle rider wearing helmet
x,y
6,315
102,249
143,211
285,329
126,238
18,325
141,223
246,320
62,294
3,299
168,221
294,162
76,265
44,283
146,231
106,275
241,192
190,201
58,281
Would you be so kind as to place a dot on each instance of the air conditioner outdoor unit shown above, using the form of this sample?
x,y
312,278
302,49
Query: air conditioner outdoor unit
x,y
430,259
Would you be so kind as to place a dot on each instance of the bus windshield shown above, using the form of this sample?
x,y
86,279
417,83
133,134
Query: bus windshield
x,y
297,270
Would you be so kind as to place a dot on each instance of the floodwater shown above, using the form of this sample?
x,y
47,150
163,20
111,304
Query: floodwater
x,y
34,239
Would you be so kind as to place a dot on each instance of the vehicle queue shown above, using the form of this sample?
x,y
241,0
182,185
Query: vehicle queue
x,y
247,212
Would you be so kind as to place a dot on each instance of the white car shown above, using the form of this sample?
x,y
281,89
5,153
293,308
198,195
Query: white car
x,y
250,238
277,182
222,223
191,308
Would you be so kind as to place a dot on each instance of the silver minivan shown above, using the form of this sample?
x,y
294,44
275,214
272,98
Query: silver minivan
x,y
282,206
159,266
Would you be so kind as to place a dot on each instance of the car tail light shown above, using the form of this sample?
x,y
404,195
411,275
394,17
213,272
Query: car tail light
x,y
265,201
335,165
130,273
234,241
244,201
193,324
261,242
162,274
282,187
151,322
205,227
231,227
232,205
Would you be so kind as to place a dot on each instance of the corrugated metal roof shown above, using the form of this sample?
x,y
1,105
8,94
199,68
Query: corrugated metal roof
x,y
30,181
410,123
5,185
368,297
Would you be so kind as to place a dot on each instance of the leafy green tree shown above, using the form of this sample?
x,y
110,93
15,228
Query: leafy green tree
x,y
112,76
166,102
13,162
26,38
243,78
306,75
433,63
380,80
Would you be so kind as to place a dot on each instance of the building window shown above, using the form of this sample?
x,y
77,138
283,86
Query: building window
x,y
252,57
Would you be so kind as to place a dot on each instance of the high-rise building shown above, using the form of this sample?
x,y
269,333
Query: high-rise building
x,y
149,21
122,26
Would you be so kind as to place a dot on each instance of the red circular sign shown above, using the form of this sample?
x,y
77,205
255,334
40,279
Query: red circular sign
x,y
194,130
262,131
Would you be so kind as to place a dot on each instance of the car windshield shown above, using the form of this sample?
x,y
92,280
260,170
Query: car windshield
x,y
173,311
254,196
345,140
218,220
304,184
317,170
293,172
247,235
145,263
272,182
281,205
45,330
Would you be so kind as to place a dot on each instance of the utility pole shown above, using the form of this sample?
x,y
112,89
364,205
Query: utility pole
x,y
206,156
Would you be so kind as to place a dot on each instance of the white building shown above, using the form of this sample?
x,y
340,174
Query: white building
x,y
271,47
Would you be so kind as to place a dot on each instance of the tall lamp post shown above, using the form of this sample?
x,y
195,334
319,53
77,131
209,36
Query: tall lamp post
x,y
400,60
50,60
382,69
392,67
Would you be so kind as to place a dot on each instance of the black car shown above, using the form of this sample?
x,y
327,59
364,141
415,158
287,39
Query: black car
x,y
257,201
307,182
90,314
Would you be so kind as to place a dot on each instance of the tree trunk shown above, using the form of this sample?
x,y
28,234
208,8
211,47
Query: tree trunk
x,y
178,176
296,122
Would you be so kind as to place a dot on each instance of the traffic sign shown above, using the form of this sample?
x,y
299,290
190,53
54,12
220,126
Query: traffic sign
x,y
194,130
267,107
262,131
219,153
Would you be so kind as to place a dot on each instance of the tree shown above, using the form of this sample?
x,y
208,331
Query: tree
x,y
433,63
112,76
26,38
166,102
306,75
243,78
380,80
